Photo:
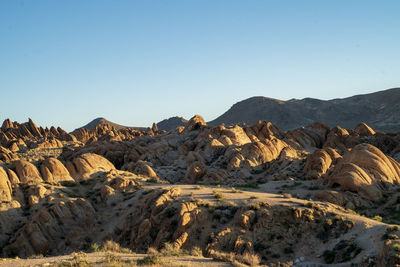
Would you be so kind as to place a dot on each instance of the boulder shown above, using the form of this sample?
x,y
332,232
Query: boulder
x,y
27,172
88,164
54,171
367,171
5,186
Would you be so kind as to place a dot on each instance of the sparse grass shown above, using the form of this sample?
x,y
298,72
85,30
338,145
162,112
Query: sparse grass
x,y
79,260
170,250
111,258
246,258
111,246
151,260
253,197
196,251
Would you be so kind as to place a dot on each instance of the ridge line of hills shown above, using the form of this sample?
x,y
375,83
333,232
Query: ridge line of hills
x,y
380,110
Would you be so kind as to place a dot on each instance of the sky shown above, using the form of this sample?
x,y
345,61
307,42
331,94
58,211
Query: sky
x,y
65,63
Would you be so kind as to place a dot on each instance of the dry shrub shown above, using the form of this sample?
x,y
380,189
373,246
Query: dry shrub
x,y
152,251
237,259
111,258
110,245
249,259
196,251
170,250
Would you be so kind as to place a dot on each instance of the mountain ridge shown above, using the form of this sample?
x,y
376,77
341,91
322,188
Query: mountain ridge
x,y
378,109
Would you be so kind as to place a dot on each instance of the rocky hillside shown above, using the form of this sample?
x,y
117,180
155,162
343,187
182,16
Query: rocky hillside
x,y
250,195
380,110
103,121
171,123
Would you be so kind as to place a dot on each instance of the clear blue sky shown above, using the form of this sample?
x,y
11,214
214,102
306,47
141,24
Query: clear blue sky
x,y
65,63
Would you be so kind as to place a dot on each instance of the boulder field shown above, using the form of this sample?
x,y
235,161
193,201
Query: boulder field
x,y
306,196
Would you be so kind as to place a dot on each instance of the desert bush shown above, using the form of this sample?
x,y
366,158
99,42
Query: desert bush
x,y
378,218
392,228
110,245
94,247
79,260
170,250
152,251
287,195
396,247
247,258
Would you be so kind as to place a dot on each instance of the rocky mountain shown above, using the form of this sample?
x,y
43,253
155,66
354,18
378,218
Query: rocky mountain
x,y
171,123
380,110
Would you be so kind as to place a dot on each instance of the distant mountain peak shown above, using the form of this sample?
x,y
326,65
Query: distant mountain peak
x,y
103,121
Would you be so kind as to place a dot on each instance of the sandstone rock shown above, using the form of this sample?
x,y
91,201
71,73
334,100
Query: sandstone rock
x,y
6,155
54,230
5,186
27,172
55,171
195,172
366,170
50,143
14,147
7,124
12,176
195,123
364,130
89,164
320,161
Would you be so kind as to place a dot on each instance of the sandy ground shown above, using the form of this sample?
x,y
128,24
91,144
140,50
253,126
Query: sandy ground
x,y
97,258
